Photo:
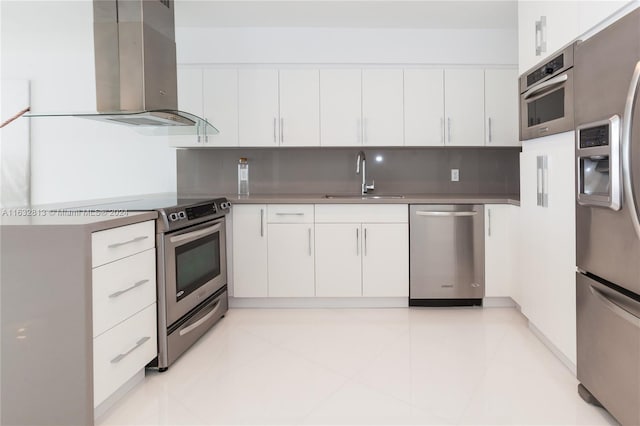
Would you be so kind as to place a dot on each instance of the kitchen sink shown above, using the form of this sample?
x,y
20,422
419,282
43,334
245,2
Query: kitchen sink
x,y
364,197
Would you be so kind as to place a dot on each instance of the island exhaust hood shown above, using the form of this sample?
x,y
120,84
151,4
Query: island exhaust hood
x,y
135,66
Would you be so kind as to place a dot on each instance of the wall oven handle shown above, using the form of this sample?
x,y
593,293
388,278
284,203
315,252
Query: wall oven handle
x,y
131,241
613,307
121,292
198,323
540,87
195,234
629,190
121,356
444,214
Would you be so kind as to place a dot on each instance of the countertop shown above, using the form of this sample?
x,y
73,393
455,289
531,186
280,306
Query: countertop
x,y
513,199
90,220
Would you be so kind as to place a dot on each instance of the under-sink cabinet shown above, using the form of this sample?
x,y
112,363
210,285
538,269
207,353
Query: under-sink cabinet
x,y
322,250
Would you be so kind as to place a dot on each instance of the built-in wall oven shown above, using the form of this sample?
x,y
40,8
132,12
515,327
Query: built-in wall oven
x,y
192,274
546,97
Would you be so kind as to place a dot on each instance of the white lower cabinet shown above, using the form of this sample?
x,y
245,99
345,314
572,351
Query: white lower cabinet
x,y
385,260
250,250
327,250
362,250
290,251
124,305
499,249
338,260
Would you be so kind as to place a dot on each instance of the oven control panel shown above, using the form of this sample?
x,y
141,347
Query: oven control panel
x,y
209,209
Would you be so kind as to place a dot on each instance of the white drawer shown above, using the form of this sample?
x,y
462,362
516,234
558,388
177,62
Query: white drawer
x,y
122,351
122,288
116,243
360,213
290,213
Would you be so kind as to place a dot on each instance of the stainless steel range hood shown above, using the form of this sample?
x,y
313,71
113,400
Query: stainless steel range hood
x,y
135,67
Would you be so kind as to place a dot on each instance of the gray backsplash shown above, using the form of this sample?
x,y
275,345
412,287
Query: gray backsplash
x,y
332,170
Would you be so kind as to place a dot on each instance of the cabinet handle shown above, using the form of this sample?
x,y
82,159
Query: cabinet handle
x,y
359,131
281,130
262,222
490,136
134,240
121,292
489,214
206,135
289,214
365,241
198,133
274,130
442,130
449,129
121,356
541,43
357,242
538,180
545,182
365,133
309,241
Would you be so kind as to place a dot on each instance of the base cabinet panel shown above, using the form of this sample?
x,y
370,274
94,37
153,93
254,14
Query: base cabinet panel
x,y
338,260
291,260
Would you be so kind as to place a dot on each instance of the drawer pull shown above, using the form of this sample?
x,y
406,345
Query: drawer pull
x,y
289,214
135,240
120,292
444,214
139,343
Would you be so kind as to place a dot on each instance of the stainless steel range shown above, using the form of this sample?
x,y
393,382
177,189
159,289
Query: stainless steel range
x,y
192,273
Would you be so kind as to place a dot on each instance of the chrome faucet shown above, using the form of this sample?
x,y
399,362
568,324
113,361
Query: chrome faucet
x,y
362,159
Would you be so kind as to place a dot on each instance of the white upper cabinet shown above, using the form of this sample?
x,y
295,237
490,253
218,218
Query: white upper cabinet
x,y
220,105
464,107
341,107
501,107
382,107
424,107
211,94
299,107
258,113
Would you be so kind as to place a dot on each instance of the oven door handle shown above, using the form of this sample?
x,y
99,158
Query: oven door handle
x,y
195,234
198,323
540,87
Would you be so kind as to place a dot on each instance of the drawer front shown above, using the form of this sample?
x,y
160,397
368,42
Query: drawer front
x,y
358,213
122,351
122,288
290,213
116,243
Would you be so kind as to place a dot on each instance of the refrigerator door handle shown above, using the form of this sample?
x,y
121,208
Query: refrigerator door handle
x,y
614,307
629,191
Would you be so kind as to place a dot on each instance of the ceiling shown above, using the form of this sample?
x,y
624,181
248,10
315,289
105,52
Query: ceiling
x,y
454,14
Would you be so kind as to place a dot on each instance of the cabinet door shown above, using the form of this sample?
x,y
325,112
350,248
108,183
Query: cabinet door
x,y
291,260
299,107
220,103
501,107
341,107
382,107
531,226
249,250
464,107
498,251
190,100
338,260
423,107
385,260
258,107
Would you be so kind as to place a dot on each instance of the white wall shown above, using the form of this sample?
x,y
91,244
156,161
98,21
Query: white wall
x,y
50,43
346,45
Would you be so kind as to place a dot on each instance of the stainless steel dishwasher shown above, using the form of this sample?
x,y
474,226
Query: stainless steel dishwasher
x,y
446,255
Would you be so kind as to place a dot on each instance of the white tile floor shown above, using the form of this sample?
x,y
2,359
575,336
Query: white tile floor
x,y
362,366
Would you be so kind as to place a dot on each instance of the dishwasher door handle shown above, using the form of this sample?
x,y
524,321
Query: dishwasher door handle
x,y
444,214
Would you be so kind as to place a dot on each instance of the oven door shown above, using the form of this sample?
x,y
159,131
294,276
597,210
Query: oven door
x,y
195,266
547,108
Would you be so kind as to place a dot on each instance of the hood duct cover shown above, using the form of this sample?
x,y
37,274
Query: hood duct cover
x,y
135,66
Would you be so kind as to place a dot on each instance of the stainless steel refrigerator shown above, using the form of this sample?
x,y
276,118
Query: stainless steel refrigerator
x,y
606,79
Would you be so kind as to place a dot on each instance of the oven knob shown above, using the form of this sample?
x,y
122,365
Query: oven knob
x,y
225,205
182,215
173,217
